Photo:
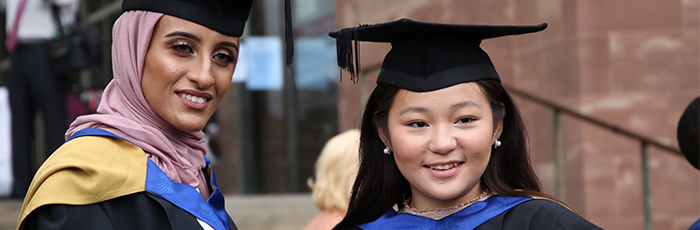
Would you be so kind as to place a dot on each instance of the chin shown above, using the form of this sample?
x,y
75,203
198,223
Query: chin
x,y
191,123
448,193
190,127
446,197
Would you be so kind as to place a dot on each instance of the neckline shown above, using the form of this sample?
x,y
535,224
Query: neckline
x,y
439,213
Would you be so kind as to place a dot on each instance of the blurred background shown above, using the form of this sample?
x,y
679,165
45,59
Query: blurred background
x,y
601,91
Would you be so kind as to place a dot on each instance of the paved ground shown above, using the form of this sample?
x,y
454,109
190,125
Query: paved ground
x,y
249,212
9,212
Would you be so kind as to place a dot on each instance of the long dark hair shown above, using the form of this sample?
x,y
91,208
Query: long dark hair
x,y
380,185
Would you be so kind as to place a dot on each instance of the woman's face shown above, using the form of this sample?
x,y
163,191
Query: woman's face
x,y
188,70
441,142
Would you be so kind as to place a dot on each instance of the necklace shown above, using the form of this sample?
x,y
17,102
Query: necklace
x,y
439,213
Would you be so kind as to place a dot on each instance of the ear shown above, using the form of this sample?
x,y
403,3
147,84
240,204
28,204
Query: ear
x,y
497,128
384,135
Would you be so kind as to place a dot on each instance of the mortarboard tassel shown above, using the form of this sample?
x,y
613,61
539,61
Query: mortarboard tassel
x,y
344,49
346,52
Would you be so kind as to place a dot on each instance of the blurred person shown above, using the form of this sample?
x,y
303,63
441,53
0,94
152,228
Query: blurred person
x,y
336,168
441,138
33,87
688,135
139,162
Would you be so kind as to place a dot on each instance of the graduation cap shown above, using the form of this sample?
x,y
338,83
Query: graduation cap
x,y
426,56
224,16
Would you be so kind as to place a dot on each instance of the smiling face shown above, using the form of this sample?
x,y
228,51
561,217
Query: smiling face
x,y
187,71
441,142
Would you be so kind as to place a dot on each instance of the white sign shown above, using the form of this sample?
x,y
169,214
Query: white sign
x,y
266,63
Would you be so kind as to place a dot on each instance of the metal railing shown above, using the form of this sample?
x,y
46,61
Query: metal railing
x,y
644,141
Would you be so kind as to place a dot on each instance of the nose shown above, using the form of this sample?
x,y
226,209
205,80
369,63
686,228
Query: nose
x,y
201,73
442,140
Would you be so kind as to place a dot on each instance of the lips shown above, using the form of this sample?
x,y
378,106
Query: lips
x,y
444,170
194,99
444,167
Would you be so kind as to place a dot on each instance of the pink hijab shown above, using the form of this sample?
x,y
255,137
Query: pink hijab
x,y
125,112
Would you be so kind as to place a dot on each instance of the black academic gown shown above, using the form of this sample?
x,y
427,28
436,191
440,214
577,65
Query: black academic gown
x,y
136,211
538,214
98,180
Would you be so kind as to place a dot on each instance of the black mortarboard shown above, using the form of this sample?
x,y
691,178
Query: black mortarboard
x,y
426,56
225,16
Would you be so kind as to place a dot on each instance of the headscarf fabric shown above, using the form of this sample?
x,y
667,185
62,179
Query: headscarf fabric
x,y
124,111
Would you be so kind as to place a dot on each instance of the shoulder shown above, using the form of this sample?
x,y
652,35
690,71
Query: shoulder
x,y
539,214
87,170
544,206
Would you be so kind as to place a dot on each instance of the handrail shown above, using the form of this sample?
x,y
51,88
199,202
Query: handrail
x,y
559,150
595,121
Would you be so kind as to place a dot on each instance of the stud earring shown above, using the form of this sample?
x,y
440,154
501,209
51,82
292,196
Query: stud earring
x,y
387,151
497,144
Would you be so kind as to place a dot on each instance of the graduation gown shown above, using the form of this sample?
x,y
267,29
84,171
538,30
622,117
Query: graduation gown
x,y
98,180
496,212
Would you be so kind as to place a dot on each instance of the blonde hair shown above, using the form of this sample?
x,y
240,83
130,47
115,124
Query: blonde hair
x,y
336,169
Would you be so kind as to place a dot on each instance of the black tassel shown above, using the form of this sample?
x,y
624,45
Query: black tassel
x,y
348,49
344,48
288,34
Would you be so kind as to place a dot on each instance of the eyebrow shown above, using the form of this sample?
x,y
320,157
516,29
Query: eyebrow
x,y
197,39
464,104
414,109
183,34
454,106
230,44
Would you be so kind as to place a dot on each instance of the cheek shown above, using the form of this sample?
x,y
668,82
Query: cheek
x,y
223,82
155,73
477,147
407,150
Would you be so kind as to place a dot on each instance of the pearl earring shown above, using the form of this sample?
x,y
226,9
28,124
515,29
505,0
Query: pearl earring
x,y
497,144
387,151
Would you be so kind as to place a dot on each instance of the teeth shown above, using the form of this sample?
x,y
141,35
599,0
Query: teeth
x,y
443,167
194,99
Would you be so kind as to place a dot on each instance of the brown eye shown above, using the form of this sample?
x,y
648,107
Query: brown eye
x,y
223,57
465,120
418,124
182,48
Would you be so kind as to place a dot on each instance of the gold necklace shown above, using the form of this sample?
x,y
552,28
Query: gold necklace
x,y
439,213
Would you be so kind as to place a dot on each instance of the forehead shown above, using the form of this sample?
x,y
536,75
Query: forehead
x,y
469,91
